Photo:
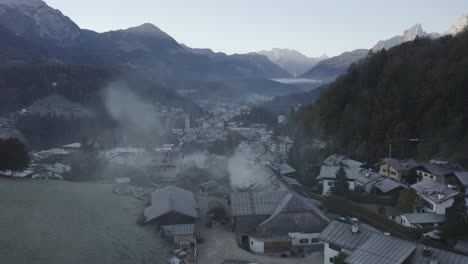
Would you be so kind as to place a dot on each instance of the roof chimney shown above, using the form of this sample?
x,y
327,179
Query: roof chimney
x,y
440,196
427,252
355,228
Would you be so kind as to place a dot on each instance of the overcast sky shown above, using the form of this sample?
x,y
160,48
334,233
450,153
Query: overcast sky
x,y
239,26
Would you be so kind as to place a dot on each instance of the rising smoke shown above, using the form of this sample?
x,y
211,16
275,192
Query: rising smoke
x,y
138,123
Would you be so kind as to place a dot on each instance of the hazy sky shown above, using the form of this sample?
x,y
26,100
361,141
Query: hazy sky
x,y
240,26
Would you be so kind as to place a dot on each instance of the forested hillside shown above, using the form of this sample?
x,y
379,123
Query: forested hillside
x,y
22,84
416,90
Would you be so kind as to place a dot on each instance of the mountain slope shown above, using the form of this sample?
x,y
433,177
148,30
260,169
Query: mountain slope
x,y
415,90
250,64
282,104
145,45
292,61
15,49
409,35
34,20
329,69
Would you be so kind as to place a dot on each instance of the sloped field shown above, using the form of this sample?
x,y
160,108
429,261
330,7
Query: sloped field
x,y
50,222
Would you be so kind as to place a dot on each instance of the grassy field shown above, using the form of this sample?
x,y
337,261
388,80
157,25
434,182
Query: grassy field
x,y
50,222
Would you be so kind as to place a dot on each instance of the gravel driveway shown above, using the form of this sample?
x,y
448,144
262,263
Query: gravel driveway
x,y
220,245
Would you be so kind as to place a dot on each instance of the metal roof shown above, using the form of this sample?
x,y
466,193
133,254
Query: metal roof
x,y
462,177
386,185
373,247
259,203
341,160
340,234
271,204
461,246
401,165
367,176
440,168
425,218
329,172
382,249
177,230
171,199
286,169
431,190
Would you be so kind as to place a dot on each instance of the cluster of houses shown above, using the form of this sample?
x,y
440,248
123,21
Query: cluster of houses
x,y
437,183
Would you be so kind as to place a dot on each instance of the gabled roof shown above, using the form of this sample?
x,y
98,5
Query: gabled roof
x,y
286,169
177,230
271,204
440,168
386,185
286,140
462,177
431,190
340,234
341,160
57,168
401,165
369,245
171,199
382,250
329,172
367,176
425,218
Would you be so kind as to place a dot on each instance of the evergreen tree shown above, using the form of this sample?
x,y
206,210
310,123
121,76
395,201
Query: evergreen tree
x,y
341,187
456,225
340,258
14,155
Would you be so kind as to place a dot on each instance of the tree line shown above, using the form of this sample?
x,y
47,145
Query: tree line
x,y
415,90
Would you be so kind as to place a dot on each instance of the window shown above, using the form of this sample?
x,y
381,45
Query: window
x,y
428,205
330,183
251,243
334,247
393,173
304,241
314,240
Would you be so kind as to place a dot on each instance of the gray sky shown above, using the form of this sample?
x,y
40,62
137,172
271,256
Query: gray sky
x,y
238,26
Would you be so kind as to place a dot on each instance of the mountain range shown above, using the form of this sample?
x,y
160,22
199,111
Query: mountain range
x,y
327,70
292,61
410,34
37,39
145,45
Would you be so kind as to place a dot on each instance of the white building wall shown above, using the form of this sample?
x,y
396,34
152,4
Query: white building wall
x,y
296,237
328,253
438,208
256,246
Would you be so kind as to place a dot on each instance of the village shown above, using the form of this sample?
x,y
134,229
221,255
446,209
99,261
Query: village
x,y
248,206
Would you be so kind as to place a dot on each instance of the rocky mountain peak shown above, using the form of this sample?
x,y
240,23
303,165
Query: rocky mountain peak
x,y
148,29
413,32
460,25
35,20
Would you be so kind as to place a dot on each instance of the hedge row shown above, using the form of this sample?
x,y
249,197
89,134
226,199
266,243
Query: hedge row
x,y
343,206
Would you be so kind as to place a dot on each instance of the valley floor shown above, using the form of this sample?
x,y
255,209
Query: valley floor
x,y
51,222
